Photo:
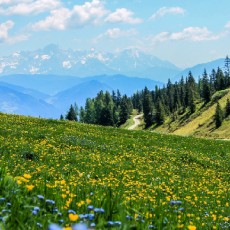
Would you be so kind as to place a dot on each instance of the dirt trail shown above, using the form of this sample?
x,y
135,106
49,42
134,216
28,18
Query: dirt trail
x,y
137,122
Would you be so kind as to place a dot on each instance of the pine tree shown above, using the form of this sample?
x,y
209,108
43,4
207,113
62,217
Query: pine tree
x,y
191,102
227,65
148,108
160,113
124,111
89,117
82,115
218,116
71,114
61,117
206,92
227,109
107,111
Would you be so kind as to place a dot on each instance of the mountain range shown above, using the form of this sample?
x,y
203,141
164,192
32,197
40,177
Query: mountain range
x,y
49,95
46,81
55,61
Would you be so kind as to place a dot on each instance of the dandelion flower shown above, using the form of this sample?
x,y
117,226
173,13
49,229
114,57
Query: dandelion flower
x,y
73,217
191,227
30,187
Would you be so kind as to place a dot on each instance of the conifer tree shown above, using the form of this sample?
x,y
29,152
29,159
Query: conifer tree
x,y
124,111
147,108
206,93
107,112
82,115
71,114
89,117
218,116
192,105
160,113
227,109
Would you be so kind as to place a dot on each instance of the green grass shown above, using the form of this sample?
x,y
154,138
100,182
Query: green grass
x,y
130,121
201,123
141,179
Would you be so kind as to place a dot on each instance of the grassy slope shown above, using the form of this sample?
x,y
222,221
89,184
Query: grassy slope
x,y
131,173
201,123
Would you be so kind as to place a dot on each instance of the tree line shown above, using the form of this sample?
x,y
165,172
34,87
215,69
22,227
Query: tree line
x,y
105,109
171,100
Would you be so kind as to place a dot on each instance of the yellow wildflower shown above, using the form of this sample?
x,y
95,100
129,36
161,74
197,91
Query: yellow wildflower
x,y
27,176
191,227
73,217
30,187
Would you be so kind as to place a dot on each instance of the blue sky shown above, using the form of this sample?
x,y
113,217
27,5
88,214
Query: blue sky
x,y
184,32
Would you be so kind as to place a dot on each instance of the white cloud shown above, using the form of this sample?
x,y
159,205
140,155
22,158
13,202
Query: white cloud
x,y
116,33
4,33
196,34
80,15
4,28
167,10
123,15
26,7
57,20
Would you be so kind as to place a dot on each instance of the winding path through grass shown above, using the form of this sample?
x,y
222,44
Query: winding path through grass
x,y
137,122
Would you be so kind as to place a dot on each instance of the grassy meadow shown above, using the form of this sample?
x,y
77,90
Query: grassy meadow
x,y
201,123
66,173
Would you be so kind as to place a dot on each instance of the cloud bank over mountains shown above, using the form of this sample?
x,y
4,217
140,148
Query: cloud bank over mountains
x,y
116,25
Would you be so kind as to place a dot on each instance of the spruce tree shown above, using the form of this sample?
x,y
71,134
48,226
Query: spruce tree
x,y
82,115
89,117
124,111
206,92
71,114
218,116
227,109
160,113
147,108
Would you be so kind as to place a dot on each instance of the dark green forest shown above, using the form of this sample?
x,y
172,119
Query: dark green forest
x,y
173,99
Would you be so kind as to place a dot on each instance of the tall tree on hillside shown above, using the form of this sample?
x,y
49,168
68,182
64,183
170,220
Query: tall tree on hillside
x,y
82,115
182,94
160,113
206,93
89,112
99,105
227,109
124,111
170,96
147,108
107,111
218,116
71,114
220,80
212,81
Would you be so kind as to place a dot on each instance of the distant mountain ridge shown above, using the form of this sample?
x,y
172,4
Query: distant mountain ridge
x,y
55,61
52,95
198,70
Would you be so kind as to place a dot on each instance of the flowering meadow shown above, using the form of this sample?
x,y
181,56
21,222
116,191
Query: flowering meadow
x,y
58,174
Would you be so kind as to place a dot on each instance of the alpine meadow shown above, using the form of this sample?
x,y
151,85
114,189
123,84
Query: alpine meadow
x,y
114,115
66,173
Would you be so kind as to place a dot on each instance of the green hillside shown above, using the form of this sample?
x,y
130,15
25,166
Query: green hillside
x,y
201,123
65,173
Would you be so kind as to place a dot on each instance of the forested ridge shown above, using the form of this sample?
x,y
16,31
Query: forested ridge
x,y
173,99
